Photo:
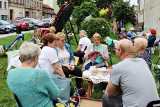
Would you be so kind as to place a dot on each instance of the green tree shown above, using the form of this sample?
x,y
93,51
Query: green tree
x,y
122,11
84,10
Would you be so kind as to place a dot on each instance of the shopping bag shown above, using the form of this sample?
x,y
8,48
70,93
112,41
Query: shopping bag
x,y
64,85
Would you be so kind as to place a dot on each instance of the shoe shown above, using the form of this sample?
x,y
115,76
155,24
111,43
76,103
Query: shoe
x,y
82,92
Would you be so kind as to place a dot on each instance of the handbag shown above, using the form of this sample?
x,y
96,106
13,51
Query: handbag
x,y
64,85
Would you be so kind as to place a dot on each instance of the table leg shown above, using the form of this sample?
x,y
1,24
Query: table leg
x,y
90,86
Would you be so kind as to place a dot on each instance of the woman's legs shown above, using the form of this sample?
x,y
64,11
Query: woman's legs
x,y
77,72
80,55
66,71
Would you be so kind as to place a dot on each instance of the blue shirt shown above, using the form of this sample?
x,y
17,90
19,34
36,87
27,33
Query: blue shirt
x,y
98,59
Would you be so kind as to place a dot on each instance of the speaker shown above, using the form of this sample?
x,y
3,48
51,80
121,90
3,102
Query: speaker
x,y
63,18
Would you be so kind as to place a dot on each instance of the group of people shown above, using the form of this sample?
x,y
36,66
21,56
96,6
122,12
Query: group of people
x,y
131,35
34,86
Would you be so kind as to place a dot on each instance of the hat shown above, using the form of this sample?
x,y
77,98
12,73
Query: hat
x,y
153,31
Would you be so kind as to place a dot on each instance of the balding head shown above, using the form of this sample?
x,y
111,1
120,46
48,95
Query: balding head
x,y
125,48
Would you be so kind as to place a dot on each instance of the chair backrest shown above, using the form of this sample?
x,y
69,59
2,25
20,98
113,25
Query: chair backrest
x,y
155,103
17,100
76,60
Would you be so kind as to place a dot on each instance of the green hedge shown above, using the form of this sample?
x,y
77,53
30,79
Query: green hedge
x,y
99,25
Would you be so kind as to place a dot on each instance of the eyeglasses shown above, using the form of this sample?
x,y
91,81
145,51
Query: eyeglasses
x,y
116,49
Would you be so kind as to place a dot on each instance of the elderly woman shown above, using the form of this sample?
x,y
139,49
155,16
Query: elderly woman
x,y
33,86
96,54
82,45
123,34
140,45
48,59
52,29
151,40
66,59
36,38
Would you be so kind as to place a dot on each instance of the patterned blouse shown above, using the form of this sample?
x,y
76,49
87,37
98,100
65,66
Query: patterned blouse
x,y
147,58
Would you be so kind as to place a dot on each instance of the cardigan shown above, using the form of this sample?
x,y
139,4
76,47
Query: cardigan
x,y
33,87
90,48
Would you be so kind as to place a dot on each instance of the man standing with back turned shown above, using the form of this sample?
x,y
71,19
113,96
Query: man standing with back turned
x,y
130,79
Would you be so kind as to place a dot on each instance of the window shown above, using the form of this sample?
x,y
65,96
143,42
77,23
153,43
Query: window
x,y
0,4
4,17
5,5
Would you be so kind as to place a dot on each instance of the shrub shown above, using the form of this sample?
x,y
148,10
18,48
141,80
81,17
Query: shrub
x,y
84,10
99,25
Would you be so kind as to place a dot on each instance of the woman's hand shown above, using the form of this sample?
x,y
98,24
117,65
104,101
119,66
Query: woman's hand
x,y
109,69
70,67
90,53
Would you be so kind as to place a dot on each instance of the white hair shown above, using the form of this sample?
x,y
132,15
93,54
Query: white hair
x,y
83,33
29,51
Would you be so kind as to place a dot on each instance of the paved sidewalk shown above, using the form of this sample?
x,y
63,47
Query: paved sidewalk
x,y
12,34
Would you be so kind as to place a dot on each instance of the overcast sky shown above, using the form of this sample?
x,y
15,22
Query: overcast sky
x,y
132,2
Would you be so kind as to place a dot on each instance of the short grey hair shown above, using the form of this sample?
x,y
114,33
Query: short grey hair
x,y
83,33
29,51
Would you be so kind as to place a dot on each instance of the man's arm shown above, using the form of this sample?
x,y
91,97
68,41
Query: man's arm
x,y
112,90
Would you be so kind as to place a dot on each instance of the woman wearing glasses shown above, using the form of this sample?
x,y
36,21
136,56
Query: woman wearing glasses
x,y
66,59
96,53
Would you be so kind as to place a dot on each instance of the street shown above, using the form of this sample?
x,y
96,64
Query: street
x,y
12,34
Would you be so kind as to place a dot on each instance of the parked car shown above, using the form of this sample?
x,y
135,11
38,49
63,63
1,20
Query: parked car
x,y
35,22
47,21
4,29
18,18
24,25
11,27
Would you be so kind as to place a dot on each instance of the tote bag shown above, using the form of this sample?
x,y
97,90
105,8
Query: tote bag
x,y
64,85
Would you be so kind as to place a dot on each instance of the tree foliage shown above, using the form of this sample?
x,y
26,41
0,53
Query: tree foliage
x,y
122,11
84,10
99,25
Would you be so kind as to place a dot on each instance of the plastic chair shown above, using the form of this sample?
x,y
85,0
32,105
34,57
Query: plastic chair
x,y
155,103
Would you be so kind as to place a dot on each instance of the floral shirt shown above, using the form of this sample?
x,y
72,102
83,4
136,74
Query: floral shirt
x,y
147,58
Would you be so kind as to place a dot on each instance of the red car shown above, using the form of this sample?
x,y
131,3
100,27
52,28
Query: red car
x,y
24,25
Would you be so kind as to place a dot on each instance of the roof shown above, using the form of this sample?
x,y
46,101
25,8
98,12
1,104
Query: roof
x,y
47,6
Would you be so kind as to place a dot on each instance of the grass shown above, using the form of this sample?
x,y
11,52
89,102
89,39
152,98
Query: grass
x,y
6,97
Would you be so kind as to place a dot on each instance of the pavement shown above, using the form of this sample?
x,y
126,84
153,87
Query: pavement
x,y
12,34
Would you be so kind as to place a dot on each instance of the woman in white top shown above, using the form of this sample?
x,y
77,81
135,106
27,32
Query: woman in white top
x,y
48,58
82,46
66,59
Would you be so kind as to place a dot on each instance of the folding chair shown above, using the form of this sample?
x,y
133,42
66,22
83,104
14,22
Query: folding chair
x,y
76,60
155,103
17,100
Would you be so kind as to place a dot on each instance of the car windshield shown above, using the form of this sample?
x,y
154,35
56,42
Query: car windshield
x,y
4,22
35,21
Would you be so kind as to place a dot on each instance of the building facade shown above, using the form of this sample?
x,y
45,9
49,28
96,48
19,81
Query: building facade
x,y
4,10
52,4
47,11
25,8
149,13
